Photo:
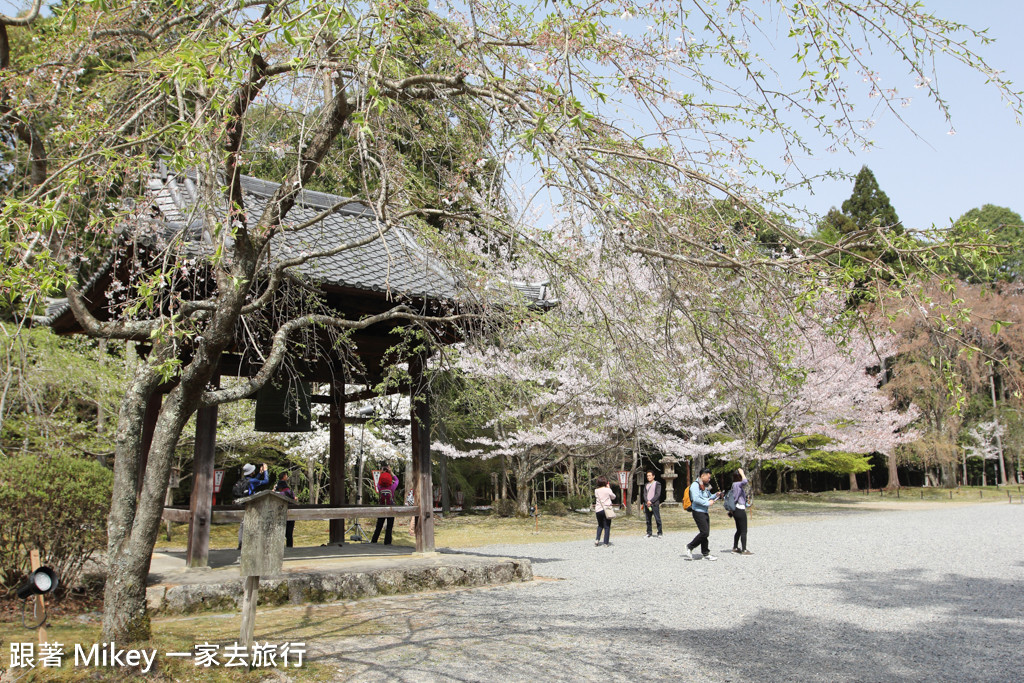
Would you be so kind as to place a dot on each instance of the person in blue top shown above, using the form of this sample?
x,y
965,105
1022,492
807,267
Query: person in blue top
x,y
739,515
251,484
701,501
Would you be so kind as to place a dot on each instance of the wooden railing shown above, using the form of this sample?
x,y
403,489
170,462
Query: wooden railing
x,y
234,513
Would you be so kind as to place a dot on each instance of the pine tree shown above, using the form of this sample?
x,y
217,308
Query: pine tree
x,y
868,206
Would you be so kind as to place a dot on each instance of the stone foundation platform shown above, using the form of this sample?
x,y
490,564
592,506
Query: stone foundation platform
x,y
318,575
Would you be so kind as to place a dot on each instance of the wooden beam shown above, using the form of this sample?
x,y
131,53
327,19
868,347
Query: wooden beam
x,y
336,460
364,395
197,553
229,513
401,422
420,415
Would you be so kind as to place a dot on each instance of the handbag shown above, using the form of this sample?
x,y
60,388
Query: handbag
x,y
609,512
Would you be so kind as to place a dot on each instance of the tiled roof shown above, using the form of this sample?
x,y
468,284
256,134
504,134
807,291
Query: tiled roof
x,y
394,265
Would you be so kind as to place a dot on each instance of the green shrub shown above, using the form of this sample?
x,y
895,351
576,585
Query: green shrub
x,y
555,507
468,499
503,507
580,501
58,505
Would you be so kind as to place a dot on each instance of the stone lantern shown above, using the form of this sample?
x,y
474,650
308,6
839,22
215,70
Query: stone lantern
x,y
668,464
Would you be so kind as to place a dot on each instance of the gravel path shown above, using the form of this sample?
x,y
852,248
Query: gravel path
x,y
882,596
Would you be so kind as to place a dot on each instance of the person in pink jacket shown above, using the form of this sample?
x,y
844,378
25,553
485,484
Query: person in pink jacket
x,y
386,486
604,496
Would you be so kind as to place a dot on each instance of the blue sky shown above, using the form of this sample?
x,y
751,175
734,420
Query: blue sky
x,y
936,176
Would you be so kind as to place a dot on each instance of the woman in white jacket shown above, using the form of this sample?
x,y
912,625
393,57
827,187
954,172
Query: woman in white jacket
x,y
604,496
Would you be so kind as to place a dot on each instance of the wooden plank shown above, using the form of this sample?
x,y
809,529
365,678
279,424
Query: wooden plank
x,y
306,513
364,395
197,552
352,512
351,420
175,515
263,534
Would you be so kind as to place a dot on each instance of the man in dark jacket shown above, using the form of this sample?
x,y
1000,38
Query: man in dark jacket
x,y
285,489
651,500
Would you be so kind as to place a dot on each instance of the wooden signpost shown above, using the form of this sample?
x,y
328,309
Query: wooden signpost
x,y
39,603
262,550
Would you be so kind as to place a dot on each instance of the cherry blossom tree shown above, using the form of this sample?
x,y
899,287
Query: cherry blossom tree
x,y
824,380
980,442
612,368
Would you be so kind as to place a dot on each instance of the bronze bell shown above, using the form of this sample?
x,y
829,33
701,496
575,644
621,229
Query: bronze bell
x,y
283,406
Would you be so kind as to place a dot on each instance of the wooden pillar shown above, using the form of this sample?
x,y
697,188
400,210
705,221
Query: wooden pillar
x,y
148,427
420,418
201,503
336,459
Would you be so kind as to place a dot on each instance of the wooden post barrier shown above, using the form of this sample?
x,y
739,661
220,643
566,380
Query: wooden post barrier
x,y
262,551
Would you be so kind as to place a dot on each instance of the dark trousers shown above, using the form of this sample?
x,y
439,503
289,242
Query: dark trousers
x,y
741,529
603,523
380,525
704,527
655,512
289,530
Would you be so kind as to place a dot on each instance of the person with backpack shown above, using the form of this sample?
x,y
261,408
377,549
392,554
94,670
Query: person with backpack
x,y
652,502
386,486
604,508
247,485
701,501
738,494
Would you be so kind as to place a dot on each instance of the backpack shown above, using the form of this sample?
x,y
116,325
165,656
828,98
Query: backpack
x,y
241,488
729,502
687,503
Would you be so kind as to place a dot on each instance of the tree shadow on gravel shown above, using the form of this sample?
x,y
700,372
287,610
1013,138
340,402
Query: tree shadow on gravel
x,y
964,595
964,634
966,626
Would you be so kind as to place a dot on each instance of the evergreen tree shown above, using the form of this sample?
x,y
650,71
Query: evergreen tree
x,y
868,206
1002,226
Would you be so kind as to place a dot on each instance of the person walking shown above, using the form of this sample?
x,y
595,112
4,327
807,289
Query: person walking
x,y
251,484
652,502
739,515
604,508
386,486
285,489
701,501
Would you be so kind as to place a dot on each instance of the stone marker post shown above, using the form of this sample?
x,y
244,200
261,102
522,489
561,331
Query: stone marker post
x,y
262,550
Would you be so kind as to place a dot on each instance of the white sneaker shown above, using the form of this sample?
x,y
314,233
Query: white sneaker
x,y
710,557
